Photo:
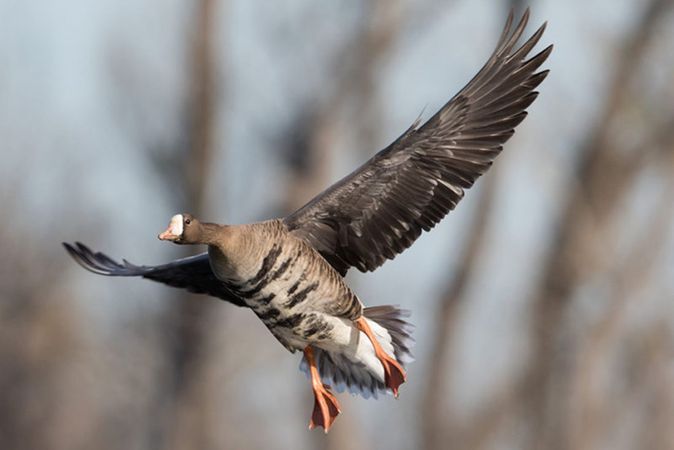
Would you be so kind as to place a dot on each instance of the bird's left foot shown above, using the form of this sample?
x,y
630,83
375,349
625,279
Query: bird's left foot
x,y
394,374
326,407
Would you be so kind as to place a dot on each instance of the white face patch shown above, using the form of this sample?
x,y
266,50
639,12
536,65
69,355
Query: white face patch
x,y
176,225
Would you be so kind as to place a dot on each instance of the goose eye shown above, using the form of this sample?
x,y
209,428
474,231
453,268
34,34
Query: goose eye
x,y
188,221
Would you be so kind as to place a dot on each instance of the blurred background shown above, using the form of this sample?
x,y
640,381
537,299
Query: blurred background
x,y
544,304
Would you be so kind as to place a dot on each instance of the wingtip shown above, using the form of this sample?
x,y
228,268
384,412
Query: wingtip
x,y
543,74
511,15
71,251
539,32
543,54
84,257
508,25
525,18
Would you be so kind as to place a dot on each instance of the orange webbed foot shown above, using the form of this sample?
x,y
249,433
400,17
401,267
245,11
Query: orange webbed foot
x,y
326,408
394,374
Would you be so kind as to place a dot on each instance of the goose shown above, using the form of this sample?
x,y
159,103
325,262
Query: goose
x,y
290,271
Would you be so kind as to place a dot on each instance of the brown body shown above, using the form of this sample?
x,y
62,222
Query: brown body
x,y
287,283
305,303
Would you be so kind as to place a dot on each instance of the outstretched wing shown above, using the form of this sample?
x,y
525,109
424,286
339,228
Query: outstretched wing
x,y
381,208
193,273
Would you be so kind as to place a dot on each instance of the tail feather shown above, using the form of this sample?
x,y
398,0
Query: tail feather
x,y
391,318
344,373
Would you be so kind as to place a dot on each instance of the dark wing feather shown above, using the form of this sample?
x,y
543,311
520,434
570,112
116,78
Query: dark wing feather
x,y
193,273
379,210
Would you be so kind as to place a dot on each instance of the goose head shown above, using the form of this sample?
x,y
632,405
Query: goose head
x,y
182,229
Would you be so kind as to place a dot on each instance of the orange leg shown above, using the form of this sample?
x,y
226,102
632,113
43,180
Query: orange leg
x,y
394,374
326,407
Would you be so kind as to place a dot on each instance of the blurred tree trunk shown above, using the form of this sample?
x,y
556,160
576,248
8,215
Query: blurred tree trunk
x,y
603,178
40,342
316,130
188,321
317,133
438,425
591,411
518,6
606,176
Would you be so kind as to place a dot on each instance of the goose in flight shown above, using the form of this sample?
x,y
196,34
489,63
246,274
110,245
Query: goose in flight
x,y
290,271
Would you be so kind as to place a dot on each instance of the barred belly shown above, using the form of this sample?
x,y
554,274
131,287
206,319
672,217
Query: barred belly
x,y
288,294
